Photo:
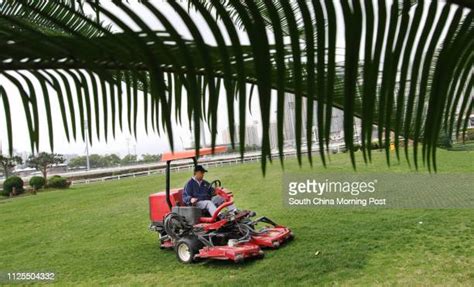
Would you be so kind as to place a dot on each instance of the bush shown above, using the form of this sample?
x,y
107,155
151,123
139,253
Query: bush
x,y
444,140
58,182
377,145
10,183
468,135
37,182
357,147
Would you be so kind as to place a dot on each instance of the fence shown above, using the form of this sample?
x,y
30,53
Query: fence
x,y
183,167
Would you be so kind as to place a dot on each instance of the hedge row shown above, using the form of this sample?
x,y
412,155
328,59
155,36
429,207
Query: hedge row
x,y
15,184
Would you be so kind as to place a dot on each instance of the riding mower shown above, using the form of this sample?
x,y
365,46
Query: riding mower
x,y
224,235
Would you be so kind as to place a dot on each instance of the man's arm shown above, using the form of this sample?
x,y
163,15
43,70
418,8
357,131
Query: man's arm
x,y
188,193
211,189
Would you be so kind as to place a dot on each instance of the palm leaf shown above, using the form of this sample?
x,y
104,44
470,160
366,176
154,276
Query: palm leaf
x,y
396,83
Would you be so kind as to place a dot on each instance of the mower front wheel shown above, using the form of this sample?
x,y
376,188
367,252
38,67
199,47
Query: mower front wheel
x,y
187,248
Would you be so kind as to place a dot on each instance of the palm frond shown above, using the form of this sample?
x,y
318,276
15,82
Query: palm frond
x,y
408,80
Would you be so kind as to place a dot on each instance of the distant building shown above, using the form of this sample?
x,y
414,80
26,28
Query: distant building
x,y
273,134
202,135
251,136
289,131
337,121
336,133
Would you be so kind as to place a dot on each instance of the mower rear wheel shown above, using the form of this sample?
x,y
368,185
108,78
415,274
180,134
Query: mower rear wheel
x,y
187,248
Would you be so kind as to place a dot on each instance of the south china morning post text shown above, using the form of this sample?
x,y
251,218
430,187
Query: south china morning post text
x,y
378,190
327,192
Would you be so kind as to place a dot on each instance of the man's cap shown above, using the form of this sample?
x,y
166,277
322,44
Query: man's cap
x,y
199,168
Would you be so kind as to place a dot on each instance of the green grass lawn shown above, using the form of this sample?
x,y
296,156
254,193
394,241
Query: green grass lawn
x,y
98,234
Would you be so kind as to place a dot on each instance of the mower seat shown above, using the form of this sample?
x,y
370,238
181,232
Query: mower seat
x,y
159,208
177,195
191,213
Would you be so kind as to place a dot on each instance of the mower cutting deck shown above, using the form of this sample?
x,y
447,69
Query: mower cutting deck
x,y
224,235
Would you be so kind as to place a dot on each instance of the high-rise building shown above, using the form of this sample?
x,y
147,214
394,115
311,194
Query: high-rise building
x,y
202,134
337,125
336,128
273,135
290,117
251,135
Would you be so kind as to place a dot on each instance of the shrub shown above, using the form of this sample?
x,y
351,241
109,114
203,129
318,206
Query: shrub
x,y
444,140
469,135
37,182
58,182
12,182
377,145
356,147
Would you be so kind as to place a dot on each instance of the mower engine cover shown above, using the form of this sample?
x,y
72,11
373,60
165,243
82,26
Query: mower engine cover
x,y
158,205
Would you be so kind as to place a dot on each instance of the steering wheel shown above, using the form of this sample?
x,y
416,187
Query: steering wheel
x,y
214,184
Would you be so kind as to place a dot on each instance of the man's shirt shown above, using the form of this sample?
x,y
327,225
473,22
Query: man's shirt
x,y
196,189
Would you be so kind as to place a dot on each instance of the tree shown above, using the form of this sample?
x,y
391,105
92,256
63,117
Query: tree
x,y
43,161
8,163
402,73
95,161
111,160
76,162
129,159
151,158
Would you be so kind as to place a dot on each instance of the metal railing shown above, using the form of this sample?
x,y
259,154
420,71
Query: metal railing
x,y
175,168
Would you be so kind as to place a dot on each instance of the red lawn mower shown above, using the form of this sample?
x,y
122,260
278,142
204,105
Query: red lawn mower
x,y
224,235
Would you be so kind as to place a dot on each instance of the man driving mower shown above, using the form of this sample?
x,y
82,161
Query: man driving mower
x,y
198,192
232,235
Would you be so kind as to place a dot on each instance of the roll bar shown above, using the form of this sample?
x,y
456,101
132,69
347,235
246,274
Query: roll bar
x,y
170,156
168,180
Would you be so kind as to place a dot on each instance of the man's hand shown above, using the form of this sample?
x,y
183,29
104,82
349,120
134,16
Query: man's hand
x,y
193,200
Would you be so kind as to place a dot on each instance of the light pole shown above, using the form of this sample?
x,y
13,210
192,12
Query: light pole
x,y
135,151
128,146
87,146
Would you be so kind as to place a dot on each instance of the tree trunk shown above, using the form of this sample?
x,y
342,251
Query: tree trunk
x,y
5,171
45,174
